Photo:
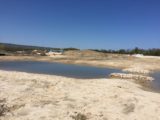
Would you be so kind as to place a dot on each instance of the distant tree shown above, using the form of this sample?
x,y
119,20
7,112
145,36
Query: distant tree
x,y
66,49
122,51
2,47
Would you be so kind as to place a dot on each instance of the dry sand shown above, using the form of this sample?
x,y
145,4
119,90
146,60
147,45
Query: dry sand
x,y
44,97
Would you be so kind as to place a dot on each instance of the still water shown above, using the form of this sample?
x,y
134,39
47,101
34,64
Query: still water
x,y
156,82
74,71
68,70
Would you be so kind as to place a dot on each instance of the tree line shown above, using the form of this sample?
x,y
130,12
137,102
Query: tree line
x,y
136,50
13,48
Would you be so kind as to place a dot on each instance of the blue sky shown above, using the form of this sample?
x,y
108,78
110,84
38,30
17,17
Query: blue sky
x,y
100,24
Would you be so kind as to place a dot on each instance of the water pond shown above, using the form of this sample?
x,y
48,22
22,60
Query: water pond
x,y
67,70
156,82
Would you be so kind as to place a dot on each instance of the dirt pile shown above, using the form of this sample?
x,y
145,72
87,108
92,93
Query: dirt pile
x,y
84,53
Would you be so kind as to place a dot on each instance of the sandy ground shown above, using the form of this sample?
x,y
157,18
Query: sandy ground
x,y
44,97
123,62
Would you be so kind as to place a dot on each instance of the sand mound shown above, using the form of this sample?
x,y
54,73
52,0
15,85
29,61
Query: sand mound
x,y
84,53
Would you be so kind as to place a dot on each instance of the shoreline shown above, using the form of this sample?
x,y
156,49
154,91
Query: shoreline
x,y
148,63
140,67
144,85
